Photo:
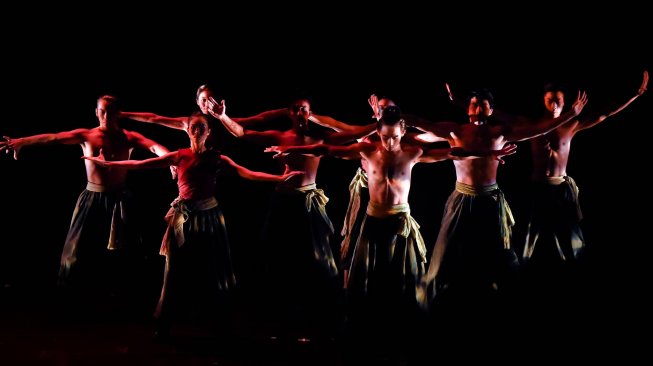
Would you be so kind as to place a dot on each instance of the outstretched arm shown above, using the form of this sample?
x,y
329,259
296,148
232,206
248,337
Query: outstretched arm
x,y
345,152
265,137
217,109
585,124
158,162
330,122
526,131
260,176
457,153
426,136
67,138
355,132
178,123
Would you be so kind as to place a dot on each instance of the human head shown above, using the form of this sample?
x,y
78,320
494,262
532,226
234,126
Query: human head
x,y
198,128
391,128
480,105
202,96
554,99
385,102
299,110
106,109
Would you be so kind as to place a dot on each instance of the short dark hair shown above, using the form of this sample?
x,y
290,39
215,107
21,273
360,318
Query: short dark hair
x,y
391,116
202,88
481,94
553,88
298,95
112,102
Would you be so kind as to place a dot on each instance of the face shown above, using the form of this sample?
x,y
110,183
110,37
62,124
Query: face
x,y
479,109
198,129
391,136
554,101
299,112
203,100
105,112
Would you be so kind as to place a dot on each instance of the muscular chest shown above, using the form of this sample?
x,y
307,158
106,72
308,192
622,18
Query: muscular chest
x,y
474,137
113,146
557,140
388,167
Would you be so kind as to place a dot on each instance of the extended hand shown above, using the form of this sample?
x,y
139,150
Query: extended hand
x,y
642,88
373,101
9,145
97,159
291,174
580,102
508,149
279,151
217,109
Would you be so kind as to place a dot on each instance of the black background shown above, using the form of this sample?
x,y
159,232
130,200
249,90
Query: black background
x,y
56,67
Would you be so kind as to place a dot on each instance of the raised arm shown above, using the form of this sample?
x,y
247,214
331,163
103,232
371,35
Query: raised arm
x,y
585,124
259,176
163,161
178,123
524,131
67,138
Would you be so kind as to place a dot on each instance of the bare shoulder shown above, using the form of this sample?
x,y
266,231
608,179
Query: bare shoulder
x,y
412,149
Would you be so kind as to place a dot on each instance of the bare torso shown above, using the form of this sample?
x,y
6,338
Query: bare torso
x,y
305,163
115,145
470,137
551,152
389,173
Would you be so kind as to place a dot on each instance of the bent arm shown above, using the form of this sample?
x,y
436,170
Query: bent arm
x,y
147,144
178,123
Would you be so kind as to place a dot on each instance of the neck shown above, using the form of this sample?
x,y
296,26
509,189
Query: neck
x,y
108,126
197,147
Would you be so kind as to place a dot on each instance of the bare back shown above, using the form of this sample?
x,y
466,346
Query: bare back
x,y
115,145
389,173
471,137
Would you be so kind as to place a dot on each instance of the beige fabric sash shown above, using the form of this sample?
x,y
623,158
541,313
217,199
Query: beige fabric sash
x,y
409,227
507,219
177,216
